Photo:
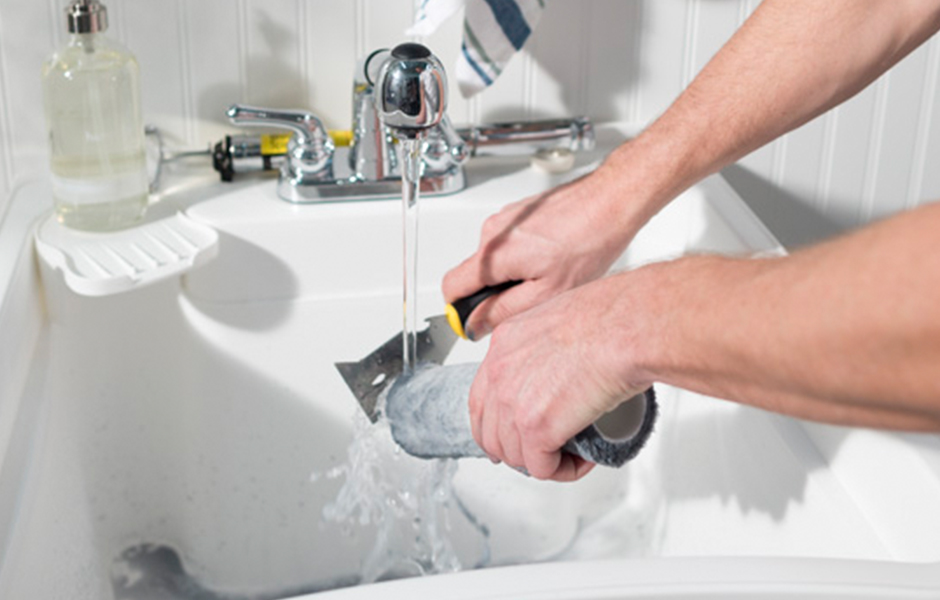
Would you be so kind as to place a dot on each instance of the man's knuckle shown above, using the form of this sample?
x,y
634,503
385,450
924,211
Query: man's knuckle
x,y
531,424
491,226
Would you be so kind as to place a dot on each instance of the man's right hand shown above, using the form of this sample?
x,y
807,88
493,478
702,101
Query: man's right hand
x,y
552,242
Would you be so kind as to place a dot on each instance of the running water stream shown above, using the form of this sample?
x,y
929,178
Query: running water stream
x,y
409,502
411,162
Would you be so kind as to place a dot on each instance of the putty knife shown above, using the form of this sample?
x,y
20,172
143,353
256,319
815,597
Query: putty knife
x,y
369,377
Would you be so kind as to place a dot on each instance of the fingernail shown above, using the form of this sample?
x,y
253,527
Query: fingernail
x,y
474,334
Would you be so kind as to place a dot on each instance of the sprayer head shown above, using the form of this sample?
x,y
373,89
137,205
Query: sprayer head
x,y
411,90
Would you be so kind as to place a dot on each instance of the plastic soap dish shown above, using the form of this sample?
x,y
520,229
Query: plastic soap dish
x,y
166,244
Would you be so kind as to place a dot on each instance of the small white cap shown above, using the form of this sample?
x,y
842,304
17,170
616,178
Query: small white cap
x,y
553,160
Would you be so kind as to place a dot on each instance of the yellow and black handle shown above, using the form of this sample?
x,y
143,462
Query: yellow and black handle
x,y
459,311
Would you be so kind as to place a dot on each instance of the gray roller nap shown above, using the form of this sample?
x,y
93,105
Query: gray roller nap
x,y
427,411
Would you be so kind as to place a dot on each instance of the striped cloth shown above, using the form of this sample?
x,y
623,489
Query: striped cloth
x,y
493,32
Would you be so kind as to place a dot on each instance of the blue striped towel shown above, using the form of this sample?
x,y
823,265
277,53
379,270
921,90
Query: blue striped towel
x,y
493,32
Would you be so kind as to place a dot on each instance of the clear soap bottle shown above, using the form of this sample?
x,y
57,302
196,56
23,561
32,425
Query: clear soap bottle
x,y
91,94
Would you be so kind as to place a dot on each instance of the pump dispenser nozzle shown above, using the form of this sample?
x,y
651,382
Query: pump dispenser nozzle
x,y
87,16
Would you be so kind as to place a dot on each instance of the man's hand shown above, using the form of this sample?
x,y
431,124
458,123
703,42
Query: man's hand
x,y
552,371
845,332
551,242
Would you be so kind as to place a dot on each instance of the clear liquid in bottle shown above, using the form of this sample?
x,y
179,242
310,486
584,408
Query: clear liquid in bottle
x,y
96,135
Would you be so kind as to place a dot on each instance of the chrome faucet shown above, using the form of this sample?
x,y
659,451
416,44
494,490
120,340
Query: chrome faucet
x,y
410,96
412,91
370,157
397,93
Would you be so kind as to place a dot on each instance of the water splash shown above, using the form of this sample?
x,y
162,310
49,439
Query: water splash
x,y
410,503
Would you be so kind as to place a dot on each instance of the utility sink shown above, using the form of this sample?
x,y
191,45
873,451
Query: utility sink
x,y
182,440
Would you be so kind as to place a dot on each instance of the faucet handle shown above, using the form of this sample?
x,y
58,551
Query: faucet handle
x,y
446,148
310,151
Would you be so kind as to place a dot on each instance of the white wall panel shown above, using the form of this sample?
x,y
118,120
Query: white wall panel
x,y
385,22
152,31
614,68
847,177
898,143
558,77
274,70
506,99
926,181
215,70
331,50
801,160
26,40
714,23
615,60
6,136
663,54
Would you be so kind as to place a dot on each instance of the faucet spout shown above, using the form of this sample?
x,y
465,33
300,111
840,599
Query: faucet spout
x,y
411,91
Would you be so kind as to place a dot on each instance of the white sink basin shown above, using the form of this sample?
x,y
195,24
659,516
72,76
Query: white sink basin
x,y
175,430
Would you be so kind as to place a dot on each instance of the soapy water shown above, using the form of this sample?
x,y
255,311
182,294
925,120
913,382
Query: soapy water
x,y
410,502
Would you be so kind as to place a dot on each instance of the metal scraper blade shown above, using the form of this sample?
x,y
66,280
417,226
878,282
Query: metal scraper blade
x,y
369,377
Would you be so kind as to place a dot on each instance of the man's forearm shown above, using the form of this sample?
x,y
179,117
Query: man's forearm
x,y
790,62
846,332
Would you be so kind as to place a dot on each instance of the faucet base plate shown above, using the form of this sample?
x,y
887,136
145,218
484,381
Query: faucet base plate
x,y
335,190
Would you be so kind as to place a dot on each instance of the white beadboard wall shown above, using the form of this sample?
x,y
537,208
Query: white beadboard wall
x,y
622,60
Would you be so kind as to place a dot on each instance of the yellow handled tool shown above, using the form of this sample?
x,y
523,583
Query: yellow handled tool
x,y
459,311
